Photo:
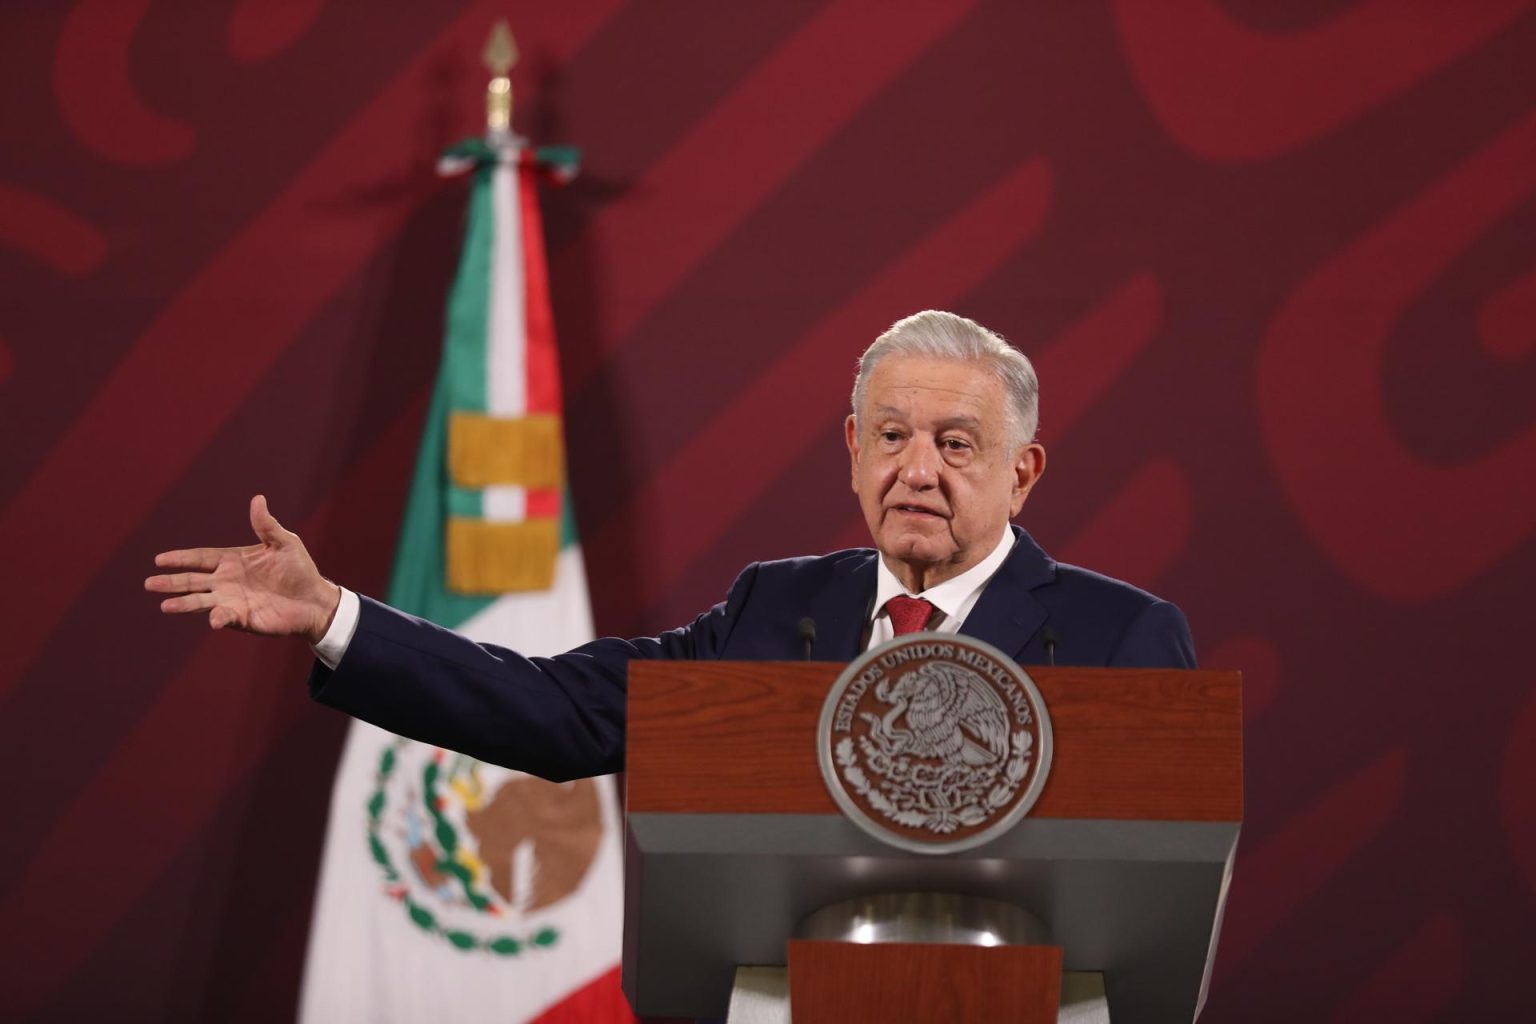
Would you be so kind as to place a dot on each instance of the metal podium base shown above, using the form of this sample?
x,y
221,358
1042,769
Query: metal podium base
x,y
925,917
761,994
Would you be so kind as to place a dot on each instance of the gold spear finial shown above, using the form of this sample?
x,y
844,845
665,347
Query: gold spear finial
x,y
499,56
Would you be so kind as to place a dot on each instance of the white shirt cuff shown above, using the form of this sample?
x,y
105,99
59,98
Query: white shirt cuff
x,y
339,637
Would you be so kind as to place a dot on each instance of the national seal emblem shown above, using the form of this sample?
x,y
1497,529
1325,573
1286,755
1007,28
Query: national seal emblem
x,y
934,742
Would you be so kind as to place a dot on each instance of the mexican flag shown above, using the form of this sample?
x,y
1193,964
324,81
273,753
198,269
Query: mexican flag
x,y
453,890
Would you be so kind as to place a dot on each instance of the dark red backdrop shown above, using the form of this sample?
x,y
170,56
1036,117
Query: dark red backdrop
x,y
1274,261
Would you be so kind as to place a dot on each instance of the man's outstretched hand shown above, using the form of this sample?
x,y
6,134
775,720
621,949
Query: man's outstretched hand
x,y
271,587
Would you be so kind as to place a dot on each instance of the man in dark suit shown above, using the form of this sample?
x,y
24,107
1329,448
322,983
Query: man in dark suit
x,y
942,450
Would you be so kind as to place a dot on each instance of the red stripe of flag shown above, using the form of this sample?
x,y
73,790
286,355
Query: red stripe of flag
x,y
543,358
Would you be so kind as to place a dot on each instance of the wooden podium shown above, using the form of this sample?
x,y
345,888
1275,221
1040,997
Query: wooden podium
x,y
733,840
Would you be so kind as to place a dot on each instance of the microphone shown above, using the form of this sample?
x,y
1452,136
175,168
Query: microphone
x,y
806,630
1048,637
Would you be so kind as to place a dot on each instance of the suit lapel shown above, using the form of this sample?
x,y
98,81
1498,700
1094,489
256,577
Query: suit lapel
x,y
842,609
1007,615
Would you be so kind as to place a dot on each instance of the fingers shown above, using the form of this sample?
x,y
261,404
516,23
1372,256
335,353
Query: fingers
x,y
180,583
221,616
205,559
265,526
191,603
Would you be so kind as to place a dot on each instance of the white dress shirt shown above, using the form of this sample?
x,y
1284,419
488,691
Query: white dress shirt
x,y
339,636
954,599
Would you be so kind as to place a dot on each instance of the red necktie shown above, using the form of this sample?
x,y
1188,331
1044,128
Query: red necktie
x,y
908,614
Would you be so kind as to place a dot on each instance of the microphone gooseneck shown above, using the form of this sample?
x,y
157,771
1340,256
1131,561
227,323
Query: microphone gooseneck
x,y
1048,637
806,630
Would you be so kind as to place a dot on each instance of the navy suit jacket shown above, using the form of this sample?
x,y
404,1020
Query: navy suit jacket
x,y
563,717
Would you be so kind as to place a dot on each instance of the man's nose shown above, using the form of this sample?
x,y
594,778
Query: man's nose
x,y
920,466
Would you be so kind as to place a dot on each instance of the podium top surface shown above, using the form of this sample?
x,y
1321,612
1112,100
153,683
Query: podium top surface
x,y
740,738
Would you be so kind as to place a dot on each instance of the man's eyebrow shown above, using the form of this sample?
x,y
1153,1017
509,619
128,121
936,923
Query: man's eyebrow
x,y
965,422
961,421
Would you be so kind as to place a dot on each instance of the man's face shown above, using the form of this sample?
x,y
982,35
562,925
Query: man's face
x,y
933,466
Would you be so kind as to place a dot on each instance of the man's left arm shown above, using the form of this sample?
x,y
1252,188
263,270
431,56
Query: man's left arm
x,y
1156,638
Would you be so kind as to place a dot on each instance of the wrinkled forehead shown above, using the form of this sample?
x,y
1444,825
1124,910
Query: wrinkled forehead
x,y
936,389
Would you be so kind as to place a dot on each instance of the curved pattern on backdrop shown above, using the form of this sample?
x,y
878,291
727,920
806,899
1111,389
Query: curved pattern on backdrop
x,y
1273,265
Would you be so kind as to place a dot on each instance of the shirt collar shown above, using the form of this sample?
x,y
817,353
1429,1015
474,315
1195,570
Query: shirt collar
x,y
950,596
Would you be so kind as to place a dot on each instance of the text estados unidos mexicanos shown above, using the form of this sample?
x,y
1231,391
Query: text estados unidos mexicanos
x,y
843,720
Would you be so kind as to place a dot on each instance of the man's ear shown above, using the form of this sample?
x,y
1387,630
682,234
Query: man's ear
x,y
1027,470
851,435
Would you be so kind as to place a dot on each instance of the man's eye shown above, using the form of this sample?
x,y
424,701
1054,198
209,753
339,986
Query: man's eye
x,y
954,444
890,435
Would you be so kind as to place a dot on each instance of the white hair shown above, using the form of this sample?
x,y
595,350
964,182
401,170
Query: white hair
x,y
939,335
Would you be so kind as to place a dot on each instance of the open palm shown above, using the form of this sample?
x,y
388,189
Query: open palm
x,y
271,587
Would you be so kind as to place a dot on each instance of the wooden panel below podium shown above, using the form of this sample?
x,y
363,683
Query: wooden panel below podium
x,y
896,983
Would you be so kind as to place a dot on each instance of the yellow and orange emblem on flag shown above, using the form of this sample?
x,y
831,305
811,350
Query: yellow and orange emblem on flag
x,y
488,556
